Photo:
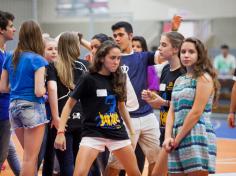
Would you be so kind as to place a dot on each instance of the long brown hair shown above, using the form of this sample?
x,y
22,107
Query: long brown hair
x,y
30,39
68,52
203,64
118,77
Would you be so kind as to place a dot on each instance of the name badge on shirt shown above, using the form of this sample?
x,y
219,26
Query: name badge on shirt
x,y
101,92
162,87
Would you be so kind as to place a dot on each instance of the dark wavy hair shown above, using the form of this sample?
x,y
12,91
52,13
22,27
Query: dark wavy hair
x,y
5,17
123,24
203,64
118,77
142,42
102,37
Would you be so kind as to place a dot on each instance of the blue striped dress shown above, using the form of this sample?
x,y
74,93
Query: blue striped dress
x,y
197,151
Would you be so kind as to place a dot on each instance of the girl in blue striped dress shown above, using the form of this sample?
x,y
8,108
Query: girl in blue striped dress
x,y
190,138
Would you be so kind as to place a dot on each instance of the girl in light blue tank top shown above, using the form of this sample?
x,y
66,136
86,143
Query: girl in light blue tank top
x,y
190,138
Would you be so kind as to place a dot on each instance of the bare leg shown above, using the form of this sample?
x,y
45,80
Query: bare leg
x,y
110,171
180,174
84,160
150,168
198,173
161,167
130,164
20,136
32,142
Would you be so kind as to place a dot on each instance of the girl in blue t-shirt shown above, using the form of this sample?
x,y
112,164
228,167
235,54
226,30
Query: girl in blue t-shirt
x,y
23,76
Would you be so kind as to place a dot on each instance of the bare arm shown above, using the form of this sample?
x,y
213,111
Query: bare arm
x,y
66,113
232,110
154,99
39,84
4,82
83,42
53,101
169,122
169,141
175,22
60,141
86,44
126,117
156,57
204,90
232,71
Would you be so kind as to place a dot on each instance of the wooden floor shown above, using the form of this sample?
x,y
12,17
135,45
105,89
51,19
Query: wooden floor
x,y
226,157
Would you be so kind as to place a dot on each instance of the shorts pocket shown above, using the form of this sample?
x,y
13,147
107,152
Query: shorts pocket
x,y
27,105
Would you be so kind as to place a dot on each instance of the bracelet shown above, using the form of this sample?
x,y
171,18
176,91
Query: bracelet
x,y
153,95
132,134
61,132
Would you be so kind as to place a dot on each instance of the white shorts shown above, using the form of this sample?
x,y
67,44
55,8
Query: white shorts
x,y
99,143
147,134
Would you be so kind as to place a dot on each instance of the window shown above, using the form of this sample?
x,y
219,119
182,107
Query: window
x,y
81,7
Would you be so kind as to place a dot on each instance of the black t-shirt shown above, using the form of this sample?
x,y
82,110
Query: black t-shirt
x,y
99,104
167,81
63,92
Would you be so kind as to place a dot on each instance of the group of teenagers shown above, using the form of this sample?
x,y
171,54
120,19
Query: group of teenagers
x,y
93,112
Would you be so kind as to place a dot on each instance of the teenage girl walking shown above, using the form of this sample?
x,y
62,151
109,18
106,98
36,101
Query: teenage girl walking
x,y
102,95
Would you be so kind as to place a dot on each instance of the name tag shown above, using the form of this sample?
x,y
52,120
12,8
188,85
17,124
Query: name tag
x,y
162,87
101,92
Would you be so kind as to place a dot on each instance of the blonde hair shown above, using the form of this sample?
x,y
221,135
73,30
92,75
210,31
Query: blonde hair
x,y
68,52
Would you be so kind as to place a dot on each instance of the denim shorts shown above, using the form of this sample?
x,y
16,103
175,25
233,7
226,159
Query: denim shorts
x,y
26,114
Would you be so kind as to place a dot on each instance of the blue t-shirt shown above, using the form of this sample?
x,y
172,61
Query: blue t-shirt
x,y
136,65
22,79
4,97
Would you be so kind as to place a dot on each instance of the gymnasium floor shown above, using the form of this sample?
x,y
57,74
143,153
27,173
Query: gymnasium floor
x,y
226,154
